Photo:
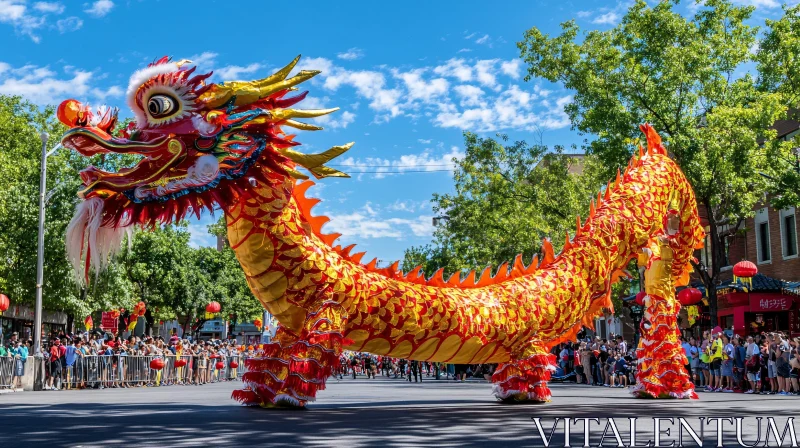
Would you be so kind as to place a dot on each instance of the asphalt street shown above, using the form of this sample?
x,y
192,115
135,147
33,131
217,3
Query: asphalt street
x,y
354,413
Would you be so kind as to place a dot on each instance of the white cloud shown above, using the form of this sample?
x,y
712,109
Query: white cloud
x,y
511,68
513,108
69,24
482,40
234,72
609,18
380,168
15,13
369,84
424,141
367,223
456,68
759,3
584,14
47,7
351,54
408,206
100,8
485,73
470,95
204,60
464,50
42,86
420,89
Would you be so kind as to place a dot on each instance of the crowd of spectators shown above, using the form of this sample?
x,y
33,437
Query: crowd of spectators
x,y
100,360
767,363
369,365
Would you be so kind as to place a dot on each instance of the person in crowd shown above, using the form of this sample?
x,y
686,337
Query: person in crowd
x,y
686,351
578,364
753,366
620,371
368,367
55,365
727,363
739,360
694,361
782,366
705,349
20,355
70,357
609,368
794,364
622,346
772,373
715,352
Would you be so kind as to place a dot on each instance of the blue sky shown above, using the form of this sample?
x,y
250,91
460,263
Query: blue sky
x,y
409,78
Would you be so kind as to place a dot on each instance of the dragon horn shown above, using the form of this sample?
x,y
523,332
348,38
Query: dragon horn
x,y
248,92
280,75
302,126
286,115
316,162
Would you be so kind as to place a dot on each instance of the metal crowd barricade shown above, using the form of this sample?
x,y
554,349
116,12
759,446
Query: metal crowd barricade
x,y
95,371
6,372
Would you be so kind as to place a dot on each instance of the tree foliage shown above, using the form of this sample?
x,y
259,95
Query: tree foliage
x,y
778,60
687,77
159,266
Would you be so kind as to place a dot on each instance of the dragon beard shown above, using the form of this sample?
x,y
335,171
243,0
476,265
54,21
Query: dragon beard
x,y
91,243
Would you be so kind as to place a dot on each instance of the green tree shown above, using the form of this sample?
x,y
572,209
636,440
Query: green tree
x,y
20,152
683,75
508,197
779,71
238,299
159,265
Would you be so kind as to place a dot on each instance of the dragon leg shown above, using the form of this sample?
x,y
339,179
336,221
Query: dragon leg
x,y
525,379
290,370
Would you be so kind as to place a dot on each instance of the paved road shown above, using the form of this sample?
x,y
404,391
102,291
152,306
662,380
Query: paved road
x,y
350,413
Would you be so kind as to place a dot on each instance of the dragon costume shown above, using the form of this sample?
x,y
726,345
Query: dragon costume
x,y
207,145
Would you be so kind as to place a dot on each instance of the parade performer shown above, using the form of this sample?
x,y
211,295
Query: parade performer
x,y
206,145
660,357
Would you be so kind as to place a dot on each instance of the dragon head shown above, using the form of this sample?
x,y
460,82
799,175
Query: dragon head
x,y
201,144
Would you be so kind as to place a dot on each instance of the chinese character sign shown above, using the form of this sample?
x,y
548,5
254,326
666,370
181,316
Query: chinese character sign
x,y
777,303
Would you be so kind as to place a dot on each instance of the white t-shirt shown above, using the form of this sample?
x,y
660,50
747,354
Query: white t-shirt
x,y
623,347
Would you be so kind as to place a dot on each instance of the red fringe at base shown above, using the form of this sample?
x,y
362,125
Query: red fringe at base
x,y
524,380
291,373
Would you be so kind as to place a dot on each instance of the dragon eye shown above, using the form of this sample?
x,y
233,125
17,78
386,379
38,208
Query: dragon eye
x,y
161,106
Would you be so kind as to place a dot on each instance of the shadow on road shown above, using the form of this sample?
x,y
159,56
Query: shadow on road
x,y
379,423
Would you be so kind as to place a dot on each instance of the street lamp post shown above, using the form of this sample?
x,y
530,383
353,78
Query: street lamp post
x,y
43,196
37,317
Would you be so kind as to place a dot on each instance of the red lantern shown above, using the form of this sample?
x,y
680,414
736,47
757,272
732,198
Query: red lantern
x,y
234,364
640,298
4,302
157,364
220,365
745,269
689,296
180,363
213,308
257,323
